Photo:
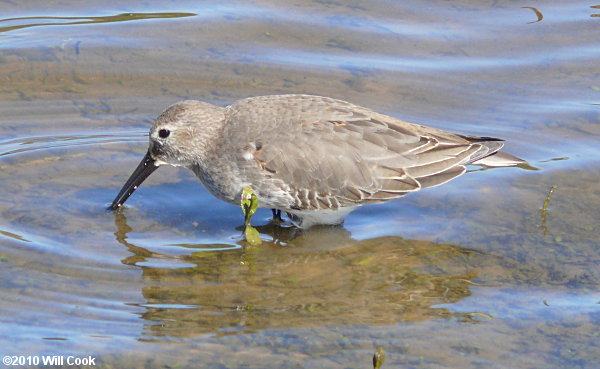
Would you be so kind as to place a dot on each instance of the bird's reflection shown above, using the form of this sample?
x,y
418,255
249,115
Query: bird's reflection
x,y
139,253
316,277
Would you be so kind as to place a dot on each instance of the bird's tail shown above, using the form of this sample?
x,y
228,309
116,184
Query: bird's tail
x,y
490,155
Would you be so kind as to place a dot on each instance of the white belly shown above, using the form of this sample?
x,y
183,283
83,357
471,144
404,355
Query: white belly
x,y
308,218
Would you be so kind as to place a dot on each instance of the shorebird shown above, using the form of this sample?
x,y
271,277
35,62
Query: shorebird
x,y
315,158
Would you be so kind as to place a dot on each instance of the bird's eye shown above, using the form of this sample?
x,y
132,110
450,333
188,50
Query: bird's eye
x,y
164,133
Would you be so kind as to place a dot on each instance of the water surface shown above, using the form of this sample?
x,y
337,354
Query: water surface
x,y
467,275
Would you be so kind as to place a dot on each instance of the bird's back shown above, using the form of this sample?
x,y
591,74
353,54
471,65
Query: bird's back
x,y
319,153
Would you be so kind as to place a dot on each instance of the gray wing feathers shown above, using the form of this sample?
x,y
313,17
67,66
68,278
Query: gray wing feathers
x,y
332,153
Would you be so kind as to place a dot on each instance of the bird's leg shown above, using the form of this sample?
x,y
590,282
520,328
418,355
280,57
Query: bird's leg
x,y
277,214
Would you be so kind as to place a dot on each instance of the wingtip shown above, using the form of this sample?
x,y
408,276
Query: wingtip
x,y
480,139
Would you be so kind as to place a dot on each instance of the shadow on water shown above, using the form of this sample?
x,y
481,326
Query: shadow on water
x,y
23,22
321,277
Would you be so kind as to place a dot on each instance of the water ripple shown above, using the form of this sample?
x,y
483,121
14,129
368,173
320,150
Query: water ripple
x,y
27,144
12,24
307,59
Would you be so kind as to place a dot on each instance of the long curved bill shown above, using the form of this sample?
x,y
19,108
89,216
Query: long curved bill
x,y
143,170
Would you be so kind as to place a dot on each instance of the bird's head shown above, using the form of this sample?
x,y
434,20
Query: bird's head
x,y
181,136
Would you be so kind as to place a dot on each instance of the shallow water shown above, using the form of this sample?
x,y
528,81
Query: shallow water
x,y
466,275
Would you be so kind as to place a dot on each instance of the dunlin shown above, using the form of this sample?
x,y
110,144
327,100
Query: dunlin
x,y
312,157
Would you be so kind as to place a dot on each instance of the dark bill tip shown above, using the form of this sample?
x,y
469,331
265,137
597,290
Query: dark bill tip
x,y
143,170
